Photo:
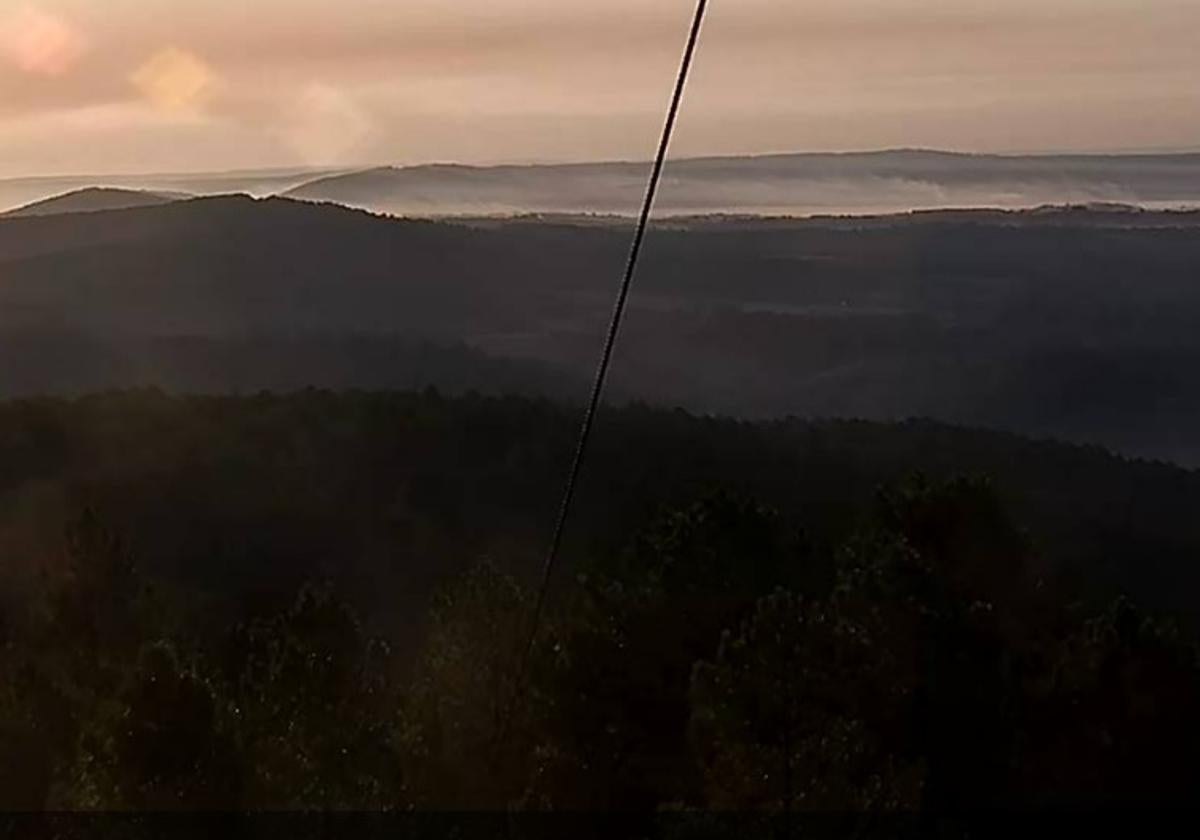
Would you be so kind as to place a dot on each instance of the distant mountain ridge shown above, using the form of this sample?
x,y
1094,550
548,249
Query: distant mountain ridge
x,y
779,184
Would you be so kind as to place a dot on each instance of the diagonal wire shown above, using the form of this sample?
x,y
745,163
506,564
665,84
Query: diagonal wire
x,y
610,342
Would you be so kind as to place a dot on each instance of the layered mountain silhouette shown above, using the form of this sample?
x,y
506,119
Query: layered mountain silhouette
x,y
19,192
800,184
94,199
786,184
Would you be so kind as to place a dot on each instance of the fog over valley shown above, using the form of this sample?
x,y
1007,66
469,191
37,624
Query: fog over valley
x,y
790,185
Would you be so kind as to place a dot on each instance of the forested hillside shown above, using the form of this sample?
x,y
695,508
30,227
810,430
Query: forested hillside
x,y
317,600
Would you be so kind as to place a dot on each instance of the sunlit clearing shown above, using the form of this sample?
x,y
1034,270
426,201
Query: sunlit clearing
x,y
325,126
175,81
40,43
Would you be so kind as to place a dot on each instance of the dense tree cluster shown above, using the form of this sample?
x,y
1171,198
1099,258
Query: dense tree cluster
x,y
723,656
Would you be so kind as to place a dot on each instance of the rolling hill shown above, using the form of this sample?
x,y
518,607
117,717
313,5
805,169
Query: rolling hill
x,y
94,199
1072,323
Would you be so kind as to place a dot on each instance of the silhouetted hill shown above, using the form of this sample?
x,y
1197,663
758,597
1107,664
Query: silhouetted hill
x,y
800,184
94,199
1072,323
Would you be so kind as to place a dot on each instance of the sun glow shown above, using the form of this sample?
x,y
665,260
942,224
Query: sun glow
x,y
40,43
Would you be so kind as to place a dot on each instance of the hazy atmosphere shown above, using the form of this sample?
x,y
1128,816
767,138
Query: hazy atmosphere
x,y
184,85
877,518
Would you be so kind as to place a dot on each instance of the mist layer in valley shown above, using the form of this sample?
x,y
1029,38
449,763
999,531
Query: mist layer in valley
x,y
800,185
791,185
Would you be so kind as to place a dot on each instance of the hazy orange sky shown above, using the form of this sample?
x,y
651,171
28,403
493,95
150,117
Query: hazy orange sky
x,y
106,86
